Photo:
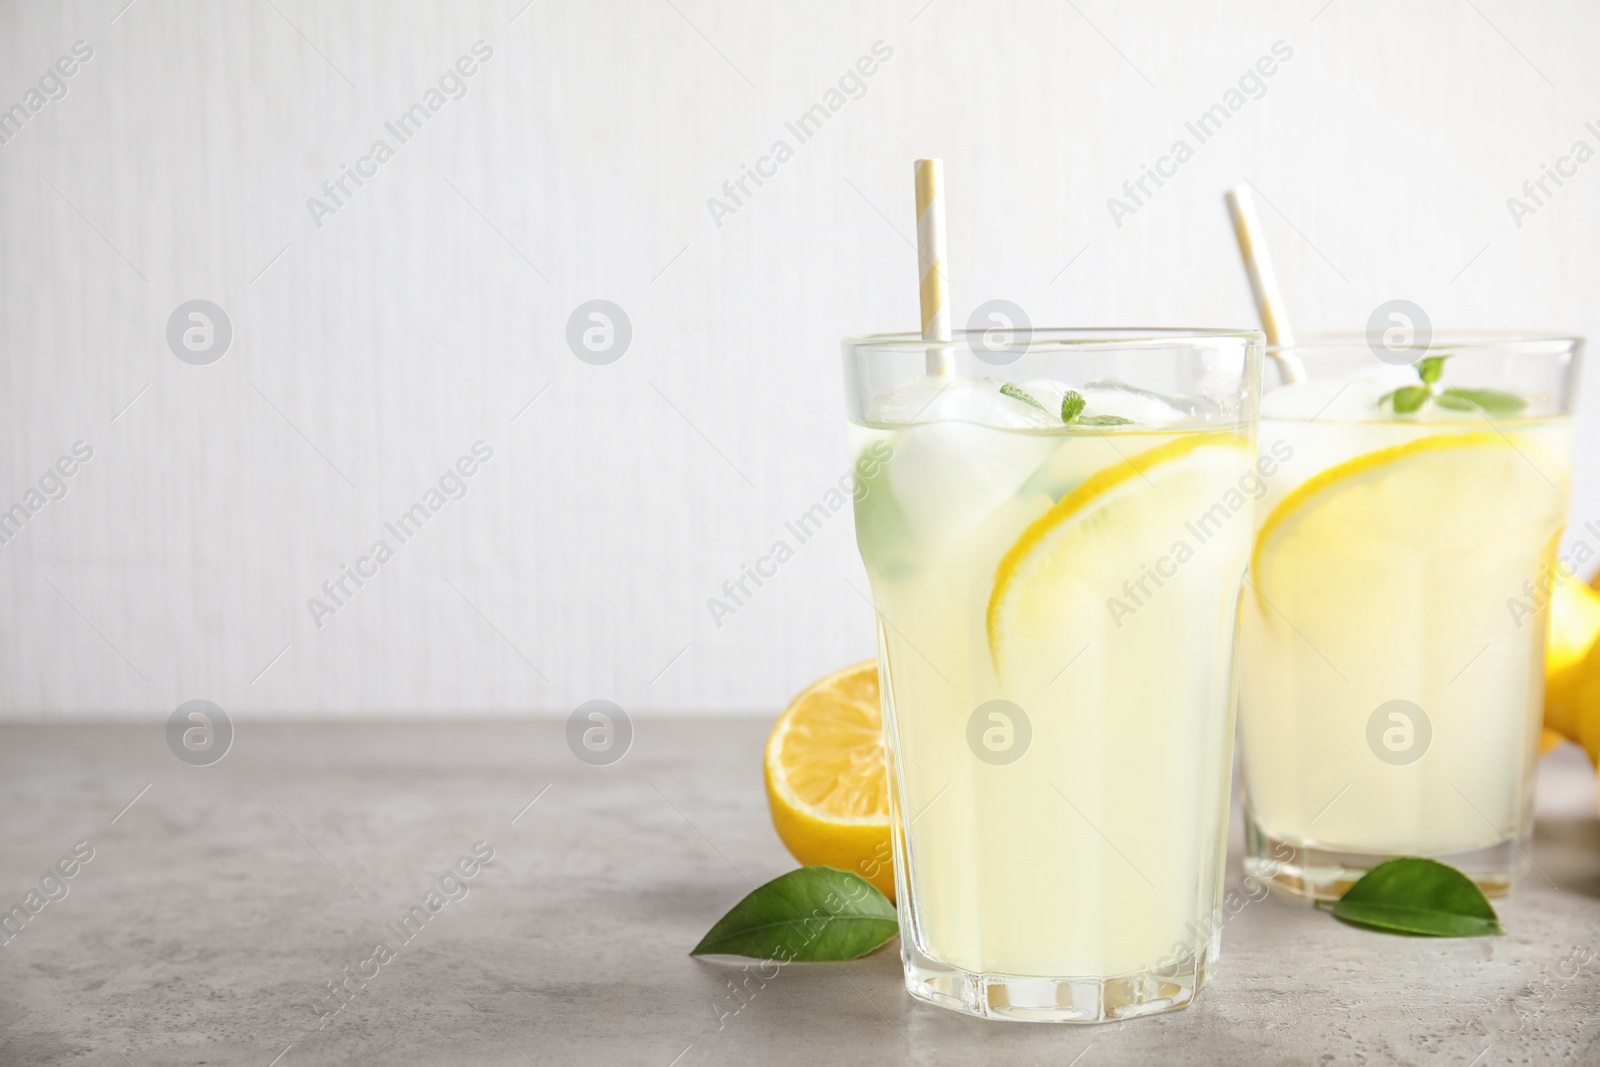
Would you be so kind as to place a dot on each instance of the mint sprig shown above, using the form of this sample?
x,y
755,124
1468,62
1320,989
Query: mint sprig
x,y
1072,404
1423,897
1411,398
1017,393
1488,401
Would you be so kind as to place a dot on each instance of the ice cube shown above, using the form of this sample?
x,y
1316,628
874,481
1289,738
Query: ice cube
x,y
949,478
951,470
1111,397
932,398
1046,392
908,401
1353,399
1302,400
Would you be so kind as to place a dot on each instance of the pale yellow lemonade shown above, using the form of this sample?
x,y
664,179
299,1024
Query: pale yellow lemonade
x,y
1091,576
1392,556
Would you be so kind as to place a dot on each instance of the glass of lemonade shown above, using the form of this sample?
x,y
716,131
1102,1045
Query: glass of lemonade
x,y
1057,613
1394,623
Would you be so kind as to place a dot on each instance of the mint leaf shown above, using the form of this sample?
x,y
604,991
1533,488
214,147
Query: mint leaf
x,y
1488,401
1410,397
882,532
1017,394
1071,406
1419,896
1104,420
1430,368
814,913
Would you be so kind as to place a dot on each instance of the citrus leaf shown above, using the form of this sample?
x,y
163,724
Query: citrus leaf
x,y
1018,394
1412,895
814,913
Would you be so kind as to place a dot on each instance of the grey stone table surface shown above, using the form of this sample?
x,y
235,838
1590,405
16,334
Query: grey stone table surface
x,y
221,903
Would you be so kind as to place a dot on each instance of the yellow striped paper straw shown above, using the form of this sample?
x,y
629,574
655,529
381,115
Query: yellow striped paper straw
x,y
1263,282
935,293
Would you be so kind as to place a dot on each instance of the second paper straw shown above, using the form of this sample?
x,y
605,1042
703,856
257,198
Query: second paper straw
x,y
1263,282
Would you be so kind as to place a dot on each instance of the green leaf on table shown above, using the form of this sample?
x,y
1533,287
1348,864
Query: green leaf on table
x,y
1412,895
814,913
1488,401
1104,420
1071,405
1430,368
1018,394
1409,398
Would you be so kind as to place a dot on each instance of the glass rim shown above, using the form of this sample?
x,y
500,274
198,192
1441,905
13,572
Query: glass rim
x,y
1469,339
1062,337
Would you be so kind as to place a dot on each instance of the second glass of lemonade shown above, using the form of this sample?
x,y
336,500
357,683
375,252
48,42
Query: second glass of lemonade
x,y
1056,530
1394,624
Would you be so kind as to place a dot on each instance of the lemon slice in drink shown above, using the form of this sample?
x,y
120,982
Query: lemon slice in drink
x,y
1430,540
1054,589
1472,500
827,785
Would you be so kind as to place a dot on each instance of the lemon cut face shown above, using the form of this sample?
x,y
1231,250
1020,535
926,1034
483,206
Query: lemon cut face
x,y
1399,562
1052,587
1464,506
1572,669
827,779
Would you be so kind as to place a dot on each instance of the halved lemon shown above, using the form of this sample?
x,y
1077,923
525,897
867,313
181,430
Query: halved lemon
x,y
1052,587
827,782
1572,667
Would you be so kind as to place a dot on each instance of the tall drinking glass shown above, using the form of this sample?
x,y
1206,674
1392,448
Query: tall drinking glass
x,y
1394,627
1056,528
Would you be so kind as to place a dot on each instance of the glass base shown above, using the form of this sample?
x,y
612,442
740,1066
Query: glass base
x,y
1054,1000
1313,873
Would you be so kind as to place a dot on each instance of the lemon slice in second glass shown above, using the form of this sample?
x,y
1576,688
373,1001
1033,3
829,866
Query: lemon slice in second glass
x,y
1391,619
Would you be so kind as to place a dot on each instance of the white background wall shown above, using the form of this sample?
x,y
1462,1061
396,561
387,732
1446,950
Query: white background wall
x,y
370,353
